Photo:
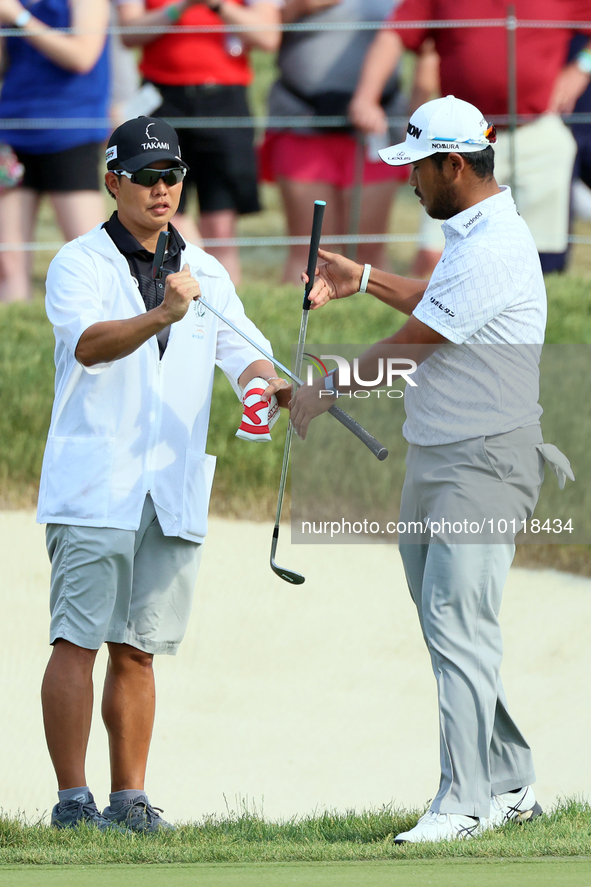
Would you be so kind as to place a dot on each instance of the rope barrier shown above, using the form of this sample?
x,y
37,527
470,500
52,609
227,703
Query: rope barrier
x,y
212,243
259,123
306,27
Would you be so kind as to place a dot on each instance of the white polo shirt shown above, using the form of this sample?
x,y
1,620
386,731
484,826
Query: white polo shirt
x,y
487,296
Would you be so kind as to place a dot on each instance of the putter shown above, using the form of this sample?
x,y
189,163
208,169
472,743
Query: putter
x,y
319,206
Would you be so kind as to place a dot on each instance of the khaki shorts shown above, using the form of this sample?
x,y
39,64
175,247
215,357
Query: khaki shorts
x,y
544,157
121,586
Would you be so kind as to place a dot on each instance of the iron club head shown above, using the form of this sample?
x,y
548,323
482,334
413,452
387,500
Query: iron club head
x,y
287,575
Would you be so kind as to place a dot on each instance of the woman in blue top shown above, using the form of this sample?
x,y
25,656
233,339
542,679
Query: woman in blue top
x,y
52,75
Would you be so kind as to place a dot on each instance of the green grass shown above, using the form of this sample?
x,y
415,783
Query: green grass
x,y
247,475
246,837
394,873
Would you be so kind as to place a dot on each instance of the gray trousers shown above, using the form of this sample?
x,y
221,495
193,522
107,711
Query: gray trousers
x,y
457,588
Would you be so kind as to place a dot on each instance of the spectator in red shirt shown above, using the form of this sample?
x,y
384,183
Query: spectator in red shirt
x,y
206,75
318,73
474,67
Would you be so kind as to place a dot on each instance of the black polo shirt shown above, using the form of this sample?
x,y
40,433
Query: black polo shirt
x,y
140,263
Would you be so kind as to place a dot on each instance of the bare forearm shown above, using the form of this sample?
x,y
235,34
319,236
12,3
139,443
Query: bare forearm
x,y
113,339
400,293
425,84
293,10
135,14
265,370
380,61
259,14
77,52
394,358
262,368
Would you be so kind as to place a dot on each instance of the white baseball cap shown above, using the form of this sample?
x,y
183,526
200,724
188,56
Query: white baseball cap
x,y
440,126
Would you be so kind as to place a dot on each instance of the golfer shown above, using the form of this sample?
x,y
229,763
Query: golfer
x,y
475,448
126,480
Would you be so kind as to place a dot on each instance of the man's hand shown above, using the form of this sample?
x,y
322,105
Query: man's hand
x,y
307,403
281,389
180,290
296,9
337,278
569,85
367,116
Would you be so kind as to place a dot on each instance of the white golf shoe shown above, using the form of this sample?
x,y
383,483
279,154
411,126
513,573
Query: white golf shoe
x,y
443,827
518,806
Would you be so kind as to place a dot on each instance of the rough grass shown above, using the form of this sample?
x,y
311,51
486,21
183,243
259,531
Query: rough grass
x,y
246,836
247,475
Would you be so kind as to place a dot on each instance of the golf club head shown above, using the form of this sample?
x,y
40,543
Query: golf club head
x,y
287,575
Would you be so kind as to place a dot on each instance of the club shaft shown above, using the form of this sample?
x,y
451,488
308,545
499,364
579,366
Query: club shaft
x,y
259,348
283,479
159,255
319,206
358,430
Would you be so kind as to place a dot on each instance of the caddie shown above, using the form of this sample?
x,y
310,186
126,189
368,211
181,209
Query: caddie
x,y
476,454
126,480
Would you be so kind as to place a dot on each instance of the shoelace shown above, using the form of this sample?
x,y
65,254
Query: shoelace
x,y
88,810
151,813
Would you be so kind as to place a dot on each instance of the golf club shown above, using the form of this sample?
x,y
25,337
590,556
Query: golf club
x,y
319,206
159,255
378,449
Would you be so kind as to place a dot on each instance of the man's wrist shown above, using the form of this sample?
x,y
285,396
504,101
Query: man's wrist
x,y
330,385
364,278
583,61
174,12
22,19
162,316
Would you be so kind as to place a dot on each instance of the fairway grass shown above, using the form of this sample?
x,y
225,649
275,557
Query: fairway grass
x,y
443,873
564,832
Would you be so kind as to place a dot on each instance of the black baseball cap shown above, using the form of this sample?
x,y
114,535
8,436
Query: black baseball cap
x,y
138,143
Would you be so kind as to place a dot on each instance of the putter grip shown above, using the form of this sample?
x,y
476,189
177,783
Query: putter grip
x,y
319,206
378,449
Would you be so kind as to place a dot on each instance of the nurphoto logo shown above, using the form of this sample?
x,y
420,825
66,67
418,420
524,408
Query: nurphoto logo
x,y
388,370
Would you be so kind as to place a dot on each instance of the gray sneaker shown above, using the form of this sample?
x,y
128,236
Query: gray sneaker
x,y
69,814
138,815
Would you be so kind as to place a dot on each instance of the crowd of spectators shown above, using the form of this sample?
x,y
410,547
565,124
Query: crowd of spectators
x,y
58,64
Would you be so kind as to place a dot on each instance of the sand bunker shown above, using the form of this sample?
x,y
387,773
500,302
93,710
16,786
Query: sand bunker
x,y
298,699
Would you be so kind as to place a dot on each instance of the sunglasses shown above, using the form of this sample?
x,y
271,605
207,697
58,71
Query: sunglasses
x,y
491,134
149,177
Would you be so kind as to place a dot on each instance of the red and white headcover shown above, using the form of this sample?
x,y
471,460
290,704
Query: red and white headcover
x,y
259,415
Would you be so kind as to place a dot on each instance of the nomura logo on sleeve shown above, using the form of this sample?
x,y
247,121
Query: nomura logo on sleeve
x,y
153,141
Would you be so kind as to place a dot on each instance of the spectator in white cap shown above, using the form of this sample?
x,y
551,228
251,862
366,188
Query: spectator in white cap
x,y
476,452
